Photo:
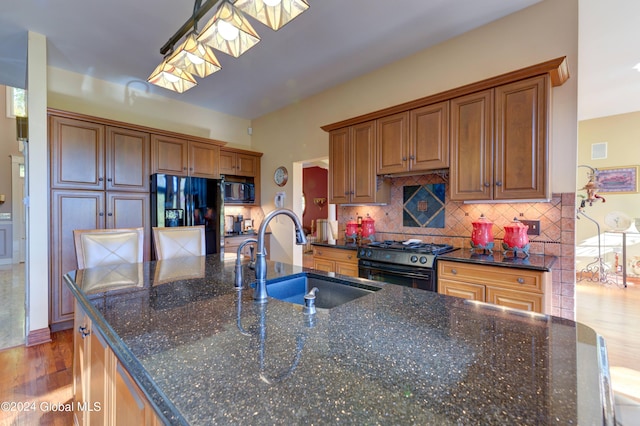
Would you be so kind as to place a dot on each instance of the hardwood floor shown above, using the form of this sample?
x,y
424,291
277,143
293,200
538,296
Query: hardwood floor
x,y
40,377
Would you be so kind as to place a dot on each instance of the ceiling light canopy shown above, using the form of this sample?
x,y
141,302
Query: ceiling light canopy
x,y
228,31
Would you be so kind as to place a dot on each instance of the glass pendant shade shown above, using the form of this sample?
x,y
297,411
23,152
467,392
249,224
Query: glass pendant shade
x,y
172,78
229,31
273,13
194,57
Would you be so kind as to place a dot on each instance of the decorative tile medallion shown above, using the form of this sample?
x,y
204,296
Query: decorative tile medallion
x,y
423,205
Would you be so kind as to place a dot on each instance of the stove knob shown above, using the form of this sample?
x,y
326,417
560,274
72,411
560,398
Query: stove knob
x,y
361,253
414,258
369,253
423,259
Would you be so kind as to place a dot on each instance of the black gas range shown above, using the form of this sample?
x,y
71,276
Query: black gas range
x,y
409,263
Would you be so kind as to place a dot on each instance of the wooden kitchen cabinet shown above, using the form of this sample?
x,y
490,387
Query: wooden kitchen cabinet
x,y
333,259
499,142
175,156
417,140
88,155
524,289
239,163
352,174
86,210
104,393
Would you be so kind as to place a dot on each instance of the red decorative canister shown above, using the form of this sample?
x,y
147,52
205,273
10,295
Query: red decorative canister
x,y
482,235
516,238
351,230
368,228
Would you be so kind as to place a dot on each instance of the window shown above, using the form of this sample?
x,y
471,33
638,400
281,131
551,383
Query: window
x,y
16,102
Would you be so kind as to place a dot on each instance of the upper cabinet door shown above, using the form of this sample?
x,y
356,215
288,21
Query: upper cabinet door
x,y
471,171
204,160
363,171
521,146
339,167
429,133
127,162
169,155
392,143
77,154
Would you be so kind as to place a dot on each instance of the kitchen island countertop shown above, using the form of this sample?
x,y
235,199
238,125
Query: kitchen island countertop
x,y
204,353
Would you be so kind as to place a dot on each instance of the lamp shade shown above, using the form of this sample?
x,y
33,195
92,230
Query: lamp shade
x,y
172,78
273,13
194,57
229,31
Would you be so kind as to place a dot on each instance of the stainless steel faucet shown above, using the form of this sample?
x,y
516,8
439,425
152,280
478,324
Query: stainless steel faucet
x,y
238,271
260,294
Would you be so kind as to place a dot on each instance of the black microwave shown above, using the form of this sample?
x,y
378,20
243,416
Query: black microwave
x,y
239,193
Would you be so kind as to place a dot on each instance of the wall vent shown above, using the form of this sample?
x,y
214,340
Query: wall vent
x,y
599,151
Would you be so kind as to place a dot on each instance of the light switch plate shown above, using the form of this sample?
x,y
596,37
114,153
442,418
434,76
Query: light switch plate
x,y
534,226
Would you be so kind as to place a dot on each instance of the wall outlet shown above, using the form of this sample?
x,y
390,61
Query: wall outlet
x,y
534,226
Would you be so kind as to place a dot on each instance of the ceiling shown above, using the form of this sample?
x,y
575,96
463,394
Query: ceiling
x,y
333,42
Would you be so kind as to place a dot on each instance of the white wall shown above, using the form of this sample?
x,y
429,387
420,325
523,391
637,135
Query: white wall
x,y
541,32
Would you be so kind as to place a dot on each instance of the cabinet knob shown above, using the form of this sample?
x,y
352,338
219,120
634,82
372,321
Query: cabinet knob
x,y
349,257
498,183
404,158
412,157
520,280
109,180
454,271
100,179
346,192
109,214
101,214
83,331
352,192
487,184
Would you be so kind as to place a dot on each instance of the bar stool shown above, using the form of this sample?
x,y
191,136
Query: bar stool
x,y
178,241
96,247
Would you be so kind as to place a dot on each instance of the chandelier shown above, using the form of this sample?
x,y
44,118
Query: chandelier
x,y
228,31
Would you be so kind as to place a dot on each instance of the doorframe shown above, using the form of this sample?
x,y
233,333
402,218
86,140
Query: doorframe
x,y
18,211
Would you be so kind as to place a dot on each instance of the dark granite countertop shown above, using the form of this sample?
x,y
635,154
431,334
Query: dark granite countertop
x,y
341,244
205,353
537,262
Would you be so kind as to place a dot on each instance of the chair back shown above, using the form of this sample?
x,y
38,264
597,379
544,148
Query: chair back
x,y
178,241
96,247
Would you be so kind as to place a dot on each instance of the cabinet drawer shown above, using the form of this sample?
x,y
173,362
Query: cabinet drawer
x,y
516,278
515,299
342,255
324,265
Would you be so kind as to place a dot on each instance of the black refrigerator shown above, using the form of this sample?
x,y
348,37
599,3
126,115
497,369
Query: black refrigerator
x,y
189,201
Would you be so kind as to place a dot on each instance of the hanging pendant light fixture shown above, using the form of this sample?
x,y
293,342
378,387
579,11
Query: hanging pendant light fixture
x,y
172,78
273,13
229,31
194,57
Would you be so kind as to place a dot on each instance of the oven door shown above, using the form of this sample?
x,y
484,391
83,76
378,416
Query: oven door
x,y
423,278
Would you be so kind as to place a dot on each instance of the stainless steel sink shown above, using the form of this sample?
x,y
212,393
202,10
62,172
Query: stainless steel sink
x,y
332,292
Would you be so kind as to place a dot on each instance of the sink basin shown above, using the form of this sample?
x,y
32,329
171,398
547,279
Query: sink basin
x,y
332,292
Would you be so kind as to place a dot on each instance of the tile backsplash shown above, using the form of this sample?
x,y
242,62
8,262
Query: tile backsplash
x,y
557,226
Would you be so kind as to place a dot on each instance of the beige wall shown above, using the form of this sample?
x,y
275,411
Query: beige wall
x,y
131,104
544,31
622,133
8,146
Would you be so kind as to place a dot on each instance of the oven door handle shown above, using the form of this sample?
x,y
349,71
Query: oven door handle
x,y
387,268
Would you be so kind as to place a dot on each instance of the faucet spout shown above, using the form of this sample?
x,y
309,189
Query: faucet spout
x,y
260,294
238,271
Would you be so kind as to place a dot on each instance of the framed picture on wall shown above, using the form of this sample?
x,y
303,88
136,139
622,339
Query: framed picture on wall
x,y
617,180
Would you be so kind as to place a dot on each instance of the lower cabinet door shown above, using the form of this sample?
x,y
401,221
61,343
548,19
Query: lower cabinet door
x,y
464,290
324,265
99,379
349,269
515,299
132,406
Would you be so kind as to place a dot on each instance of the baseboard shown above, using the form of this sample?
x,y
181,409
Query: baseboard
x,y
37,337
